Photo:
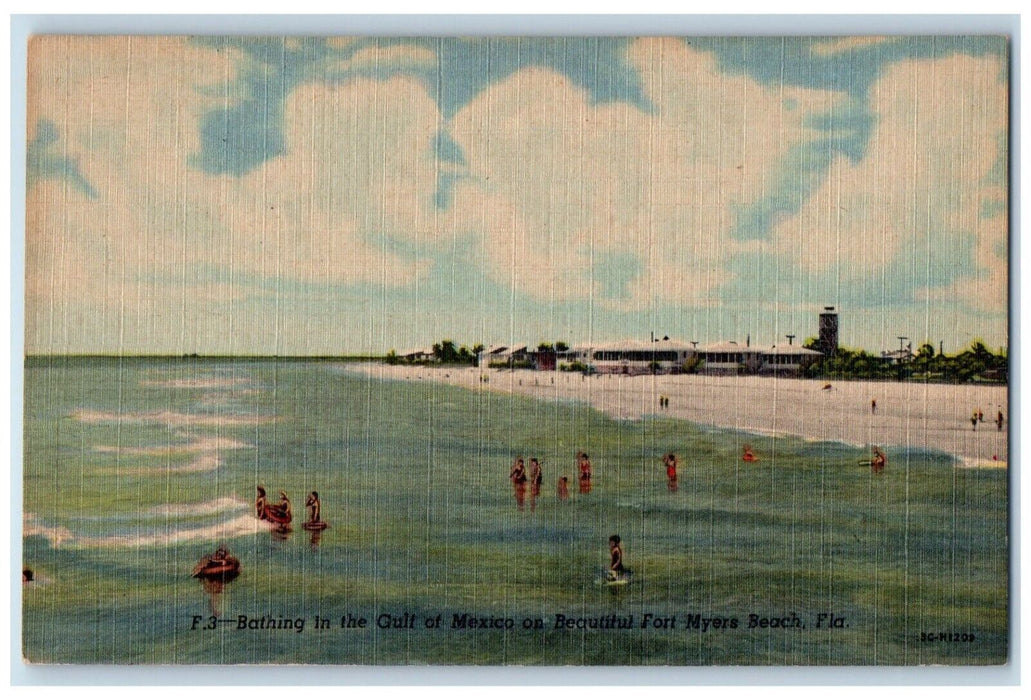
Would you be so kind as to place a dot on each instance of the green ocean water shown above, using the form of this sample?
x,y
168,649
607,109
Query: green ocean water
x,y
136,468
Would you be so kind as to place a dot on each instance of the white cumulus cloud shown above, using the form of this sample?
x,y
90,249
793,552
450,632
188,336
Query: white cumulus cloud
x,y
569,182
921,187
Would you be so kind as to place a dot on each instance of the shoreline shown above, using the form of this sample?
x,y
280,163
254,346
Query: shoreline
x,y
935,417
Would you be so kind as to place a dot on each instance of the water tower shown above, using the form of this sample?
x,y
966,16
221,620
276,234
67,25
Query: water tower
x,y
828,341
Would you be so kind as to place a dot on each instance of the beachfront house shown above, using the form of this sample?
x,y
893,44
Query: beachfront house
x,y
579,354
730,357
417,355
788,360
898,357
494,355
509,357
639,356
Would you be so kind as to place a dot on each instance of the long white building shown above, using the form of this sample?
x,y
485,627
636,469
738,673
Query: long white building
x,y
660,356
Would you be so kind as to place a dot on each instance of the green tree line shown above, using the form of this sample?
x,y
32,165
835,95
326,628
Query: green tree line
x,y
975,363
446,352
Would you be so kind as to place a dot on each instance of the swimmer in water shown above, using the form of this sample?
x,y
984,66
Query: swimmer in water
x,y
283,508
584,465
220,557
536,478
518,478
260,503
563,489
879,461
314,507
616,568
670,460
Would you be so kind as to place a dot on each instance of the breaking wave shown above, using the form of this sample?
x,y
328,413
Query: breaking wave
x,y
200,383
203,445
204,462
59,536
219,505
172,418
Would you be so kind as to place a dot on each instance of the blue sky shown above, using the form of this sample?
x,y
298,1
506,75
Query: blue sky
x,y
312,196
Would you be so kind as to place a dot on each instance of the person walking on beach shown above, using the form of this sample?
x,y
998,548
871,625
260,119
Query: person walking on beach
x,y
873,406
584,465
518,477
973,421
998,421
670,460
980,416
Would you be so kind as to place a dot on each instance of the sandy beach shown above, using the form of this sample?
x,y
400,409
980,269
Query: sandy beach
x,y
931,416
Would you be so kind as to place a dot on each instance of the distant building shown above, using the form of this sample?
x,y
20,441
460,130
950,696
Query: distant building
x,y
730,357
898,357
667,356
827,343
637,356
546,360
493,355
417,355
787,360
506,356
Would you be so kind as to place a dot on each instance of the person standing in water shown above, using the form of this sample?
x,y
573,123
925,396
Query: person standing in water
x,y
281,512
584,465
563,489
314,507
536,478
260,503
616,568
879,461
670,460
518,478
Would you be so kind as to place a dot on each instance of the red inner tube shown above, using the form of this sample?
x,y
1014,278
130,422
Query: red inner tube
x,y
273,514
212,570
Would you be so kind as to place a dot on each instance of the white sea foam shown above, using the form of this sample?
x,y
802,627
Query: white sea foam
x,y
218,399
204,462
969,463
218,505
245,524
57,535
173,418
205,445
200,383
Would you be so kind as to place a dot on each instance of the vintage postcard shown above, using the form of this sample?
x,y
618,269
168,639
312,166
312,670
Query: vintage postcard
x,y
517,351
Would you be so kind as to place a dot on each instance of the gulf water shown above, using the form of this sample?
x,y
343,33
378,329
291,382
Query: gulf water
x,y
136,468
